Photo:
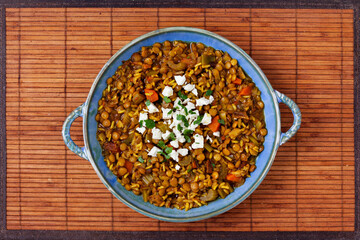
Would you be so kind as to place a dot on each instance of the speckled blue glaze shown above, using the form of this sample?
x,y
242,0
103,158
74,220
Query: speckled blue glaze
x,y
274,138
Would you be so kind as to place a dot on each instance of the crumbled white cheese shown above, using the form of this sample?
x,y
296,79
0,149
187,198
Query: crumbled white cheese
x,y
166,135
177,167
189,87
182,151
209,138
206,119
152,108
154,151
174,155
175,143
176,103
166,113
216,134
141,129
190,106
180,80
179,136
195,92
143,116
156,133
204,101
198,141
168,91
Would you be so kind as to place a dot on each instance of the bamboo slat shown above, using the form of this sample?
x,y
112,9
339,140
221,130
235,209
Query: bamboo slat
x,y
53,55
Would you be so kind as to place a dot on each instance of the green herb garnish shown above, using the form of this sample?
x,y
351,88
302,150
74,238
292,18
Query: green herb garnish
x,y
189,170
221,121
213,164
187,138
172,136
149,123
188,132
140,159
147,103
161,144
169,112
141,123
183,119
208,92
182,96
198,120
166,99
168,150
179,127
191,112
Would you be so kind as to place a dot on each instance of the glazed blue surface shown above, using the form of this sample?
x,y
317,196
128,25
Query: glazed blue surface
x,y
264,161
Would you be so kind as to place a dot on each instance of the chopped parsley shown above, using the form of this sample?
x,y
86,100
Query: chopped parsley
x,y
140,159
191,112
198,120
182,96
161,144
172,136
170,112
147,103
183,119
187,138
213,164
179,127
168,150
221,121
188,132
141,123
149,123
208,92
167,100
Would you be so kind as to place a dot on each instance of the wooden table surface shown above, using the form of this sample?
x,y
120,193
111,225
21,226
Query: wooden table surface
x,y
54,54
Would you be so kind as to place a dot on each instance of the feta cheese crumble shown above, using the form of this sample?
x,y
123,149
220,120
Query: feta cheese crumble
x,y
156,133
216,134
154,151
168,91
152,108
180,80
183,151
189,87
198,141
177,167
206,119
166,113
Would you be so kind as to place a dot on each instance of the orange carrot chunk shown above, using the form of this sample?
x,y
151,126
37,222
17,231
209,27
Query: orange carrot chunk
x,y
237,81
232,178
214,125
129,166
151,95
245,91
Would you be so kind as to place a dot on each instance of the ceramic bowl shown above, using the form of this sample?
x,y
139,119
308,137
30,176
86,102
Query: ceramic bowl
x,y
271,98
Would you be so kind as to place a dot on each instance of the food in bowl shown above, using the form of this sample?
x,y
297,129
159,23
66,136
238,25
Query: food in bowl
x,y
181,124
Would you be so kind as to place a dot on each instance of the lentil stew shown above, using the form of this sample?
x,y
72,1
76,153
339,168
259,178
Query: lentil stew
x,y
181,124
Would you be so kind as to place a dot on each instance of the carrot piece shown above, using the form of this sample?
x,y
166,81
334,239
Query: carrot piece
x,y
245,91
214,125
151,95
237,81
194,165
129,166
146,66
232,178
188,61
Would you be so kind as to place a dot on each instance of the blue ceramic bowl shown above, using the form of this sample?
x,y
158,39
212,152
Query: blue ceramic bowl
x,y
274,138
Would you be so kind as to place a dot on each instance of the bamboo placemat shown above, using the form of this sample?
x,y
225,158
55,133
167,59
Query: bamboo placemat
x,y
53,55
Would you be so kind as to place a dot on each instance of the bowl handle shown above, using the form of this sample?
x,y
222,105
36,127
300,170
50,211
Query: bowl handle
x,y
78,112
284,137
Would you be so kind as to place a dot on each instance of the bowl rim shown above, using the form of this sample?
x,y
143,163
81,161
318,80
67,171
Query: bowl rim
x,y
225,208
